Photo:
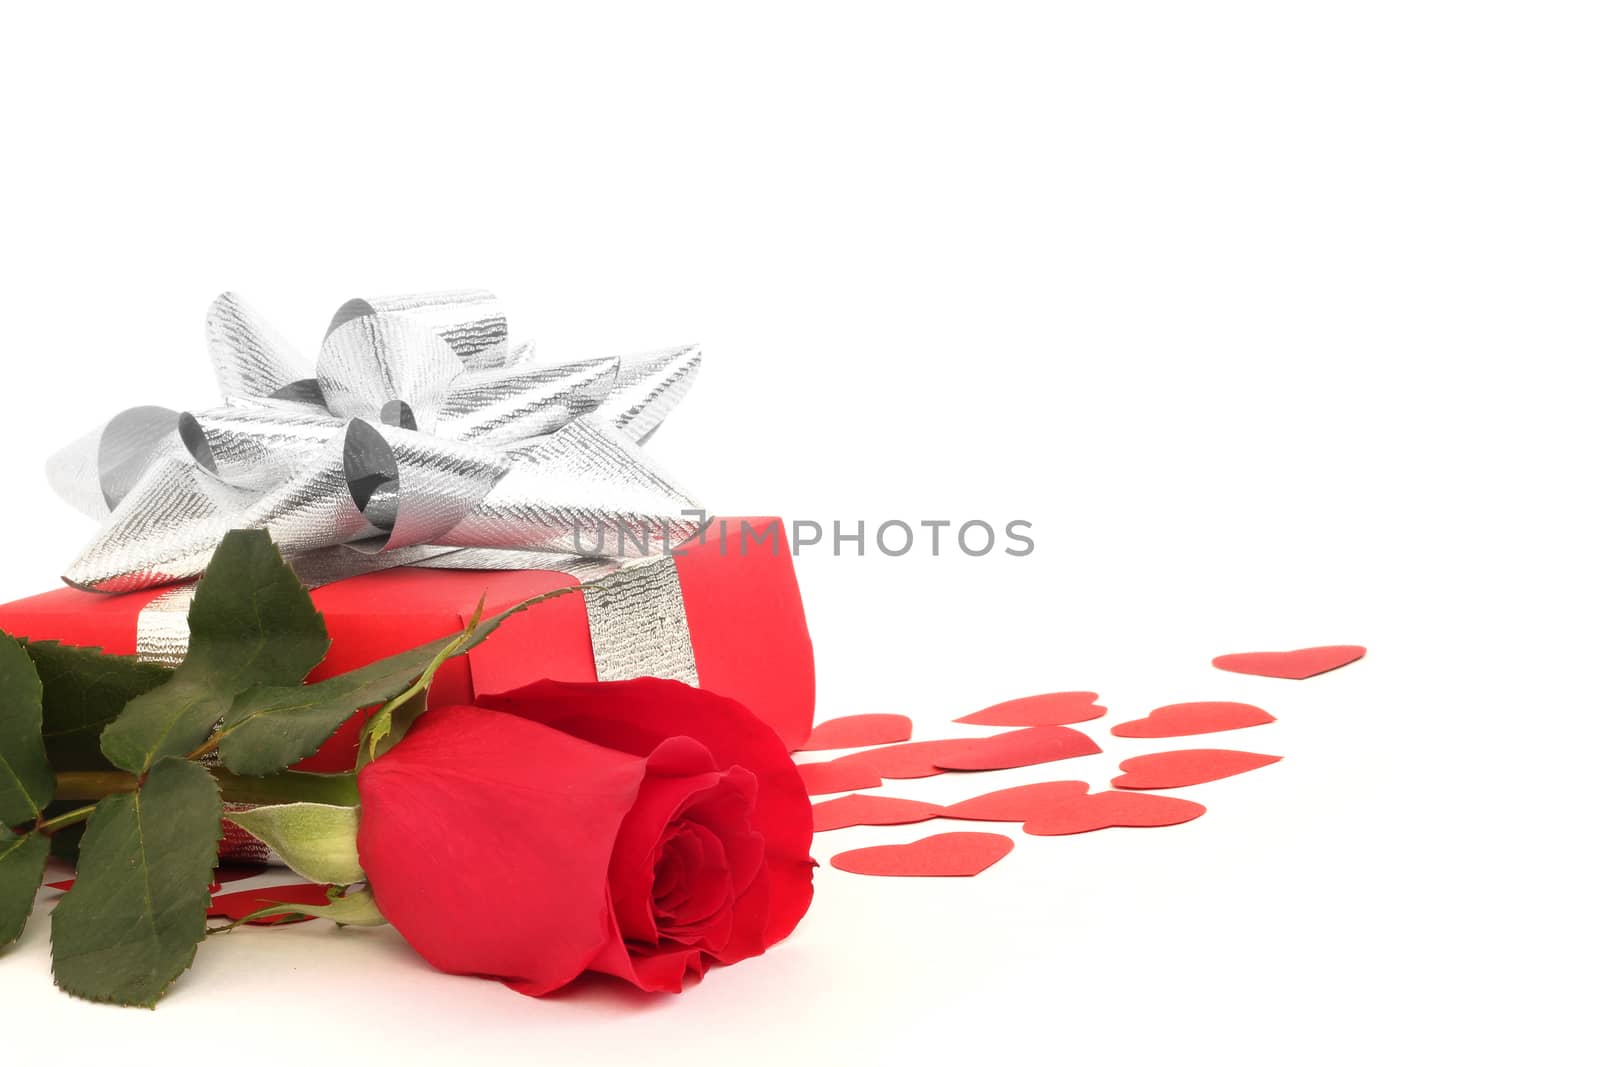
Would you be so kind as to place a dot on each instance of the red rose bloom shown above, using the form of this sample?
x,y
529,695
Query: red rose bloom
x,y
640,828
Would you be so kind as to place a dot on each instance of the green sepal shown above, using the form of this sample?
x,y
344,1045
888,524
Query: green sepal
x,y
130,924
27,782
415,697
385,729
84,691
252,623
22,862
403,717
317,841
357,908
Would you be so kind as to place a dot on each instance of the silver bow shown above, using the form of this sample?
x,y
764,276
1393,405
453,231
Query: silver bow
x,y
423,432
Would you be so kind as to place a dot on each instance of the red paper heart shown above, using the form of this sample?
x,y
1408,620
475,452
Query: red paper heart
x,y
1014,748
1171,770
858,731
1018,804
1202,717
837,776
858,810
247,902
952,855
1301,663
914,759
1046,709
1100,811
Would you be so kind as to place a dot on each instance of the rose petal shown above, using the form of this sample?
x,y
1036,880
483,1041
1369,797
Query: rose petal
x,y
656,972
726,810
709,889
474,802
750,917
677,770
687,855
635,716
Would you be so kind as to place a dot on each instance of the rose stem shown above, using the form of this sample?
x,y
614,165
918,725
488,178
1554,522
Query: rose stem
x,y
284,788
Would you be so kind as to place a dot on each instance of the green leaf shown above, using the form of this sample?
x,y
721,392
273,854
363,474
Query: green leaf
x,y
27,782
252,623
317,841
84,691
21,871
385,729
129,925
405,716
289,787
272,727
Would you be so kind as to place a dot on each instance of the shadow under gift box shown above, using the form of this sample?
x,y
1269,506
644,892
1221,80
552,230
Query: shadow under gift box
x,y
743,609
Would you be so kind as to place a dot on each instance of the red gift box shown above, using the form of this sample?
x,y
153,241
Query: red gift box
x,y
740,600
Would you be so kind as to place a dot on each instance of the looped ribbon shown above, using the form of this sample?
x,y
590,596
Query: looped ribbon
x,y
424,436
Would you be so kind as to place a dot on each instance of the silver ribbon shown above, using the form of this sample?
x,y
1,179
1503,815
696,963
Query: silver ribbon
x,y
422,431
637,622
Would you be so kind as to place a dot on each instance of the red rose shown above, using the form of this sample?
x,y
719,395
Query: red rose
x,y
640,828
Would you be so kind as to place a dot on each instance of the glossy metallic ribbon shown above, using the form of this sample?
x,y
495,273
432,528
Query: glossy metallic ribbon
x,y
425,438
422,431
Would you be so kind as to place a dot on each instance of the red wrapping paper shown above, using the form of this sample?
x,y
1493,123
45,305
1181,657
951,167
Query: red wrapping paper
x,y
745,620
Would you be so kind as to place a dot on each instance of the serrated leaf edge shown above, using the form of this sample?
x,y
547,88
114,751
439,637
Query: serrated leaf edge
x,y
6,849
193,949
37,698
155,753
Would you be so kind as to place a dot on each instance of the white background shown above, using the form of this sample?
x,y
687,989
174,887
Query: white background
x,y
1276,320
